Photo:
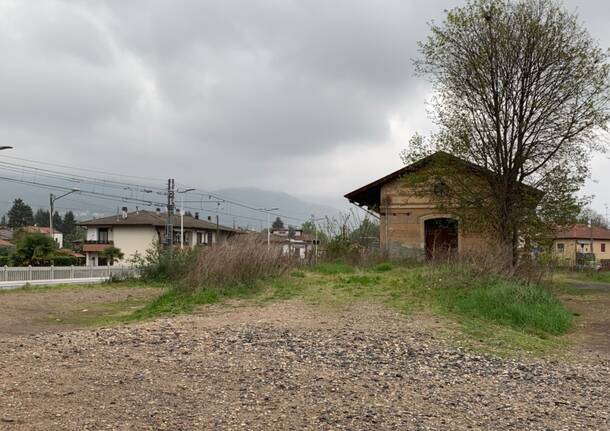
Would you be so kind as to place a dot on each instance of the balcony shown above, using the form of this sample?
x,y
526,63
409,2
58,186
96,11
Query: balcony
x,y
96,245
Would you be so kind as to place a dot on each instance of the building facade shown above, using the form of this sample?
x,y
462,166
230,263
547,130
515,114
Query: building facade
x,y
410,223
582,241
136,232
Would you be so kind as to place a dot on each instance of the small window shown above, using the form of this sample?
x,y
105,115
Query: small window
x,y
603,247
560,247
440,189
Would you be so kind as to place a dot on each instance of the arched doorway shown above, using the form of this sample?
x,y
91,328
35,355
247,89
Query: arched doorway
x,y
441,236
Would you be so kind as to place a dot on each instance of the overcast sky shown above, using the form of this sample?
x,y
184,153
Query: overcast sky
x,y
314,98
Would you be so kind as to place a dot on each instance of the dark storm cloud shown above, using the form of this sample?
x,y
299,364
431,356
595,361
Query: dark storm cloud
x,y
223,93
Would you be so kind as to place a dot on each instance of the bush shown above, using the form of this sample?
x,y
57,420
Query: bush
x,y
159,264
63,260
239,261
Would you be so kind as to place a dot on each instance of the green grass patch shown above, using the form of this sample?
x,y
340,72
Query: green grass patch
x,y
584,276
297,273
334,268
527,307
384,267
173,302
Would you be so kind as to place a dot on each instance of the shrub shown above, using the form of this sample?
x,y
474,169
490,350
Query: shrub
x,y
239,261
159,264
63,260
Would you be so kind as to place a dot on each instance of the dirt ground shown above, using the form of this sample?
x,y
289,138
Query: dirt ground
x,y
283,366
35,311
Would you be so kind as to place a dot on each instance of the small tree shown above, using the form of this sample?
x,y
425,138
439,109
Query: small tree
x,y
20,214
277,223
112,254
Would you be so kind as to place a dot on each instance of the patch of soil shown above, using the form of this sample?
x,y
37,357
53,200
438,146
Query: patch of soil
x,y
60,309
592,333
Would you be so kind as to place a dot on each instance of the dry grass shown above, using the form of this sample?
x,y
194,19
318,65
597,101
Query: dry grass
x,y
240,261
496,262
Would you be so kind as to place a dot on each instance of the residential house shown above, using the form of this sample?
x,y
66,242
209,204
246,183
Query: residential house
x,y
293,241
57,236
411,224
136,232
6,233
581,240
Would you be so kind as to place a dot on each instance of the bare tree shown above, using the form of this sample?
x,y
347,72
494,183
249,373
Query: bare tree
x,y
522,91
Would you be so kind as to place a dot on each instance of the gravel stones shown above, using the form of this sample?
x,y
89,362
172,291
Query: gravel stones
x,y
261,369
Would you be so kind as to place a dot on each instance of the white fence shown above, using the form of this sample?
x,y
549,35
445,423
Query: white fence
x,y
42,273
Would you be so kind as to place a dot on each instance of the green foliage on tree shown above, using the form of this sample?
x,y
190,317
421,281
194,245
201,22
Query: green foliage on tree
x,y
68,224
111,254
57,222
20,214
277,223
3,221
522,91
41,217
309,228
34,249
588,215
367,233
75,239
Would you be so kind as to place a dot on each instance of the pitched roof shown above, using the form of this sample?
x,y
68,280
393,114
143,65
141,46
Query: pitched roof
x,y
151,218
4,243
40,229
370,194
582,231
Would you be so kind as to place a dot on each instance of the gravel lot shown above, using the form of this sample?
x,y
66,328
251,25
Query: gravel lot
x,y
288,366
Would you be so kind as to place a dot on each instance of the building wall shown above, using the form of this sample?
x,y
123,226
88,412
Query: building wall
x,y
403,214
572,246
134,239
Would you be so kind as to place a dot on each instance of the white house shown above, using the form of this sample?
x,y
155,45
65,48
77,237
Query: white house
x,y
293,241
136,232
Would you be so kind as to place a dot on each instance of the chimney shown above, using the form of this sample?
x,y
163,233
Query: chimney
x,y
209,218
124,213
158,211
196,216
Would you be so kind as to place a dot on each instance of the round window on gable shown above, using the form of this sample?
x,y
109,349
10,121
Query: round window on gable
x,y
440,189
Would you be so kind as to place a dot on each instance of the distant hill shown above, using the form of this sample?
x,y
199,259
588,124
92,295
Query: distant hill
x,y
87,207
291,206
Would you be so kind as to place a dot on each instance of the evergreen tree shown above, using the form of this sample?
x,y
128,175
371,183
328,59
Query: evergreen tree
x,y
69,223
3,221
57,222
20,214
41,218
277,223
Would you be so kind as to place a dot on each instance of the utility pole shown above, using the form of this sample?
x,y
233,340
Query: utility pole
x,y
182,192
52,199
315,227
268,225
217,229
169,224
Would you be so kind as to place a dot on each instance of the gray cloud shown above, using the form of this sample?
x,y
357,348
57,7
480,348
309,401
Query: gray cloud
x,y
309,97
